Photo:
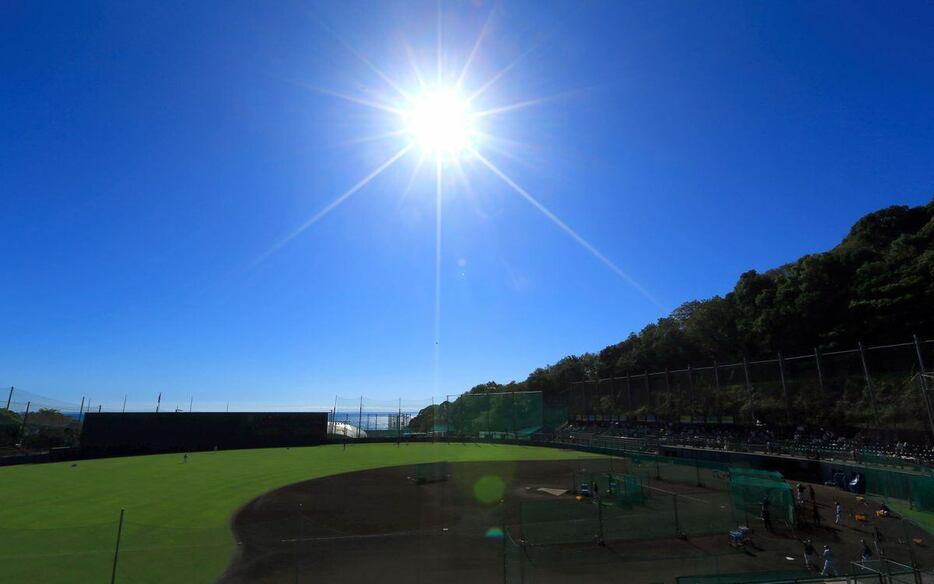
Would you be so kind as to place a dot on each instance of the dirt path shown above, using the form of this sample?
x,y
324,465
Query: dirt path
x,y
379,526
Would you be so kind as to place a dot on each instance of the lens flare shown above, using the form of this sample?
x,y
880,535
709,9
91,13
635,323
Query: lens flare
x,y
440,122
489,489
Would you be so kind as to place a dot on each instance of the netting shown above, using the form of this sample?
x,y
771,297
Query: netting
x,y
685,471
558,522
767,475
431,472
365,417
922,493
634,514
888,483
513,560
491,415
749,493
625,488
554,417
622,489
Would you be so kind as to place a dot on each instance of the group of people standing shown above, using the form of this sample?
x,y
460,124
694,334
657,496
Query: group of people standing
x,y
829,567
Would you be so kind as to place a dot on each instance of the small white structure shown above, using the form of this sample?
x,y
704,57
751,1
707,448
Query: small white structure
x,y
344,430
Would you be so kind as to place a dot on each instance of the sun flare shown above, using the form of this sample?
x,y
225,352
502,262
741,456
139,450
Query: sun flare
x,y
440,122
449,123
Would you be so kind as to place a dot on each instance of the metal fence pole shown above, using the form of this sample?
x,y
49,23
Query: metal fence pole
x,y
749,387
691,388
360,419
668,390
10,397
921,376
502,512
781,374
820,371
600,537
674,499
22,430
628,391
113,572
872,393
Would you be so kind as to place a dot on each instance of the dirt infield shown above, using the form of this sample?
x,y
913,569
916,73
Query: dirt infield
x,y
379,526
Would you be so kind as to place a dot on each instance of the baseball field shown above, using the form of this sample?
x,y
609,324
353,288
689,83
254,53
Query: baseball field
x,y
58,522
418,512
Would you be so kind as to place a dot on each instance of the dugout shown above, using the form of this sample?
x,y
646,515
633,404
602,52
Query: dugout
x,y
106,434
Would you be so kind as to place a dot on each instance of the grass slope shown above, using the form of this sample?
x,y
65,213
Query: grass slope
x,y
58,522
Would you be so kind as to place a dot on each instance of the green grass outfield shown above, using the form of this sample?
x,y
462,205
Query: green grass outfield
x,y
58,522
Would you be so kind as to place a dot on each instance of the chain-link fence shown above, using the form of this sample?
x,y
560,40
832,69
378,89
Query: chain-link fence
x,y
490,415
878,388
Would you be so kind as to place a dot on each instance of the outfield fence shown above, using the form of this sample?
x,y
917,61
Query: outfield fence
x,y
886,389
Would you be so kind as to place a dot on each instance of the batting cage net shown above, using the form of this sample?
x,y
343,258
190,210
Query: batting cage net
x,y
685,471
431,472
491,415
622,489
916,489
750,491
635,514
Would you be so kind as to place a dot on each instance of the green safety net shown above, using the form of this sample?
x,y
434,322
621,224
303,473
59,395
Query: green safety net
x,y
630,514
431,472
747,494
917,489
764,577
922,493
622,489
768,475
554,417
491,415
686,471
513,560
625,488
887,483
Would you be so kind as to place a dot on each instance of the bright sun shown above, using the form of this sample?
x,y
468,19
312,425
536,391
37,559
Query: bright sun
x,y
440,122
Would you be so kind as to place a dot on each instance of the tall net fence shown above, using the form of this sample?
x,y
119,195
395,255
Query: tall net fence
x,y
631,512
31,421
491,415
916,490
685,471
365,417
886,389
431,472
753,493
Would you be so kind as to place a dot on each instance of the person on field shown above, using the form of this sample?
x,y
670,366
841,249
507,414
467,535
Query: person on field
x,y
800,489
810,555
866,554
815,514
767,517
877,541
830,568
184,458
837,513
811,492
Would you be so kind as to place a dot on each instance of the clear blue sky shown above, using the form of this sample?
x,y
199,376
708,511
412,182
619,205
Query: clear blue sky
x,y
151,153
